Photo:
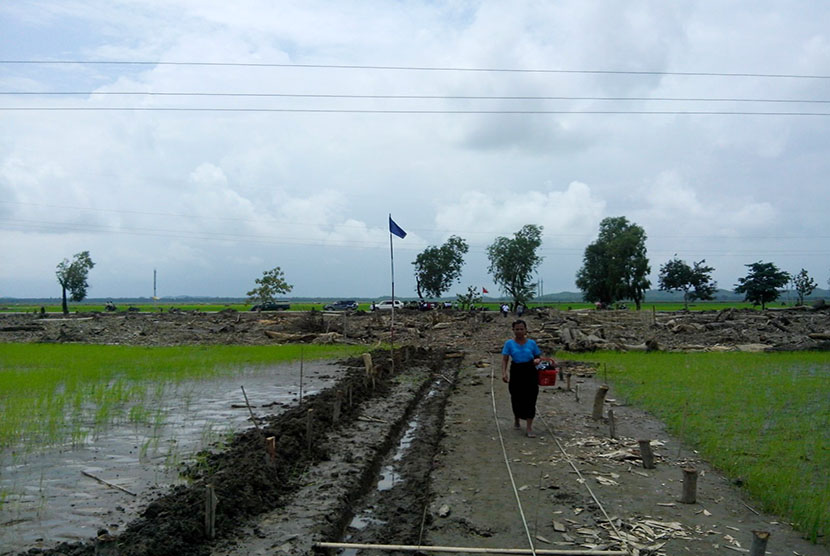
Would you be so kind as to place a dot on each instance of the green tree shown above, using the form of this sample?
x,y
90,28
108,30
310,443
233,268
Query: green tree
x,y
761,284
694,281
269,286
803,285
436,268
72,277
467,300
615,266
513,262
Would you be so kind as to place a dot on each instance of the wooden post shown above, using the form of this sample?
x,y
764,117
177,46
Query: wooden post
x,y
759,543
568,381
271,450
599,400
338,402
308,428
211,502
645,454
612,424
576,391
370,368
689,485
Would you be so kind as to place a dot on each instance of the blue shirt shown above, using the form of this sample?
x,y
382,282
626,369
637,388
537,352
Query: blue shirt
x,y
521,353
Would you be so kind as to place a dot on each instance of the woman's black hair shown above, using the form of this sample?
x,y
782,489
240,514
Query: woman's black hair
x,y
519,321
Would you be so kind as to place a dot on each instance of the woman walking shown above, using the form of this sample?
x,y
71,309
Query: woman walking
x,y
523,378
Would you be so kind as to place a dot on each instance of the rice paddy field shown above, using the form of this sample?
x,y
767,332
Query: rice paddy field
x,y
762,418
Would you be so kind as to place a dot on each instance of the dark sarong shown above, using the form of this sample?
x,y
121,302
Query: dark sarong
x,y
524,389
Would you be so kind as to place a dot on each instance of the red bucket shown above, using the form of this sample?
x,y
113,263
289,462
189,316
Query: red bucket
x,y
547,371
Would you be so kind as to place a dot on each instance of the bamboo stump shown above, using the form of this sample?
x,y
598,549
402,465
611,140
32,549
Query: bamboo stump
x,y
612,424
271,450
599,401
568,381
689,485
646,454
759,543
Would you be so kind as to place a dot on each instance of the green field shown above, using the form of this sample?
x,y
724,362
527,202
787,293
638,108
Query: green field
x,y
763,417
49,391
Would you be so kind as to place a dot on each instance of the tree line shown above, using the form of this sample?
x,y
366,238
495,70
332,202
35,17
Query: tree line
x,y
615,268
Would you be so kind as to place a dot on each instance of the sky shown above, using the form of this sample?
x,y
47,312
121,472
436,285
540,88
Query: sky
x,y
307,123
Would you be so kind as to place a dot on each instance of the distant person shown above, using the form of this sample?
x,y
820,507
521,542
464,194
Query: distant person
x,y
505,308
520,310
523,378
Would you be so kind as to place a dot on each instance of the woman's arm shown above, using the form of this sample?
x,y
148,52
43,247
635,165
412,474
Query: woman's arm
x,y
504,361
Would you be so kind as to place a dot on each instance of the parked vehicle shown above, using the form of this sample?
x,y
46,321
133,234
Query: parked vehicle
x,y
386,305
271,306
342,305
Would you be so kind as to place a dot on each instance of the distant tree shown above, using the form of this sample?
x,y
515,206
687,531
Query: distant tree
x,y
513,262
694,281
803,285
761,284
615,266
436,268
269,286
467,300
72,277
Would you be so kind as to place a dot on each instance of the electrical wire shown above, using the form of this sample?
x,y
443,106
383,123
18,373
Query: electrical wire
x,y
415,68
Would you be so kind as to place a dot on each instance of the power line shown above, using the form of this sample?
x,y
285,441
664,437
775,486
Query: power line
x,y
415,68
407,97
392,111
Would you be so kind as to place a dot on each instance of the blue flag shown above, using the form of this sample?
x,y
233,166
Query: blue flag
x,y
395,229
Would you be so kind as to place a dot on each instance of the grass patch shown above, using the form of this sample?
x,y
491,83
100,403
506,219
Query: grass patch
x,y
53,393
764,417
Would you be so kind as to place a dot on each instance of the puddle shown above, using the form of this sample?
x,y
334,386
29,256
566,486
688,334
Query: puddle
x,y
45,498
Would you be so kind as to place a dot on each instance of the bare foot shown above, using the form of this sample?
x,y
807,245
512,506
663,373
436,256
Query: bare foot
x,y
531,434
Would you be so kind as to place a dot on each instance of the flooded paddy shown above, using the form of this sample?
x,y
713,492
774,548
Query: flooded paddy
x,y
51,495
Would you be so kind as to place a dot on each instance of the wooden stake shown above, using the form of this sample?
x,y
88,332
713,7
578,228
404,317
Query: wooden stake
x,y
308,428
612,424
645,454
301,375
689,485
251,411
211,501
271,450
568,381
370,368
338,402
599,400
759,543
576,391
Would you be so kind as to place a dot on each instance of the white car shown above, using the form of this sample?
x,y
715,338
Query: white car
x,y
386,304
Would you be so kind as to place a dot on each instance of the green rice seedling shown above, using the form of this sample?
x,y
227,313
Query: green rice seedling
x,y
48,386
763,417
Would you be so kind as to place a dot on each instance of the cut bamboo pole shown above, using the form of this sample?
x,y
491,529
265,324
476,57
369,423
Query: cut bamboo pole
x,y
211,501
271,450
467,549
759,543
568,381
107,483
576,391
251,411
599,401
646,454
612,424
689,485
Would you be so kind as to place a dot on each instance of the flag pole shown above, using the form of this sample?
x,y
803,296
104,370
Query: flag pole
x,y
392,322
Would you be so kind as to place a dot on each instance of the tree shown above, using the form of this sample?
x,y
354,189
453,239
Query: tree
x,y
513,262
436,268
615,266
803,285
762,282
467,300
694,281
269,286
72,278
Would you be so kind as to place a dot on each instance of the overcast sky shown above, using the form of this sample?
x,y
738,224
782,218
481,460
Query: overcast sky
x,y
213,198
